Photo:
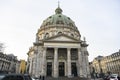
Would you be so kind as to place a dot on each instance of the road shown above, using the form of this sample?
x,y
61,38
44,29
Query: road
x,y
97,79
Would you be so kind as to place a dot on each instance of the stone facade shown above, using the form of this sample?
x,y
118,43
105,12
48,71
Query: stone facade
x,y
7,63
113,63
22,68
58,49
107,64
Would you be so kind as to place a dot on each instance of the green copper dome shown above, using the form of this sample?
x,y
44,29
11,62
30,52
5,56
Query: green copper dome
x,y
57,19
58,24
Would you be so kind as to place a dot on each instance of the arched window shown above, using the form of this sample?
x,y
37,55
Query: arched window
x,y
70,24
46,35
59,33
72,35
59,22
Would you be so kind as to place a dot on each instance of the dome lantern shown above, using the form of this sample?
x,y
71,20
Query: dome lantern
x,y
58,10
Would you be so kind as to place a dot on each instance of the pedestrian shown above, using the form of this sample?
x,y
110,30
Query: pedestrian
x,y
43,77
40,77
118,78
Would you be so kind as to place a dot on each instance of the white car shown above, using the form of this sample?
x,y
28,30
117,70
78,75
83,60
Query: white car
x,y
35,79
114,77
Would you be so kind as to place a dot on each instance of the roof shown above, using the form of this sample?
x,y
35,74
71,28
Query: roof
x,y
58,18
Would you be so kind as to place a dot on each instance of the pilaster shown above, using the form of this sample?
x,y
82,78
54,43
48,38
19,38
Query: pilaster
x,y
44,62
80,63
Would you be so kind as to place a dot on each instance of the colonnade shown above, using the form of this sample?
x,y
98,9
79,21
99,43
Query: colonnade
x,y
56,63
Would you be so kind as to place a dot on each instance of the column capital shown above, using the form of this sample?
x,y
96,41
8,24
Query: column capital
x,y
68,48
56,48
79,49
44,48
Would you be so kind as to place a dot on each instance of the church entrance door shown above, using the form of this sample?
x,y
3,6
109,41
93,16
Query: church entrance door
x,y
49,69
74,69
61,69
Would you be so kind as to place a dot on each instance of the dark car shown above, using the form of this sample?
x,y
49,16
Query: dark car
x,y
107,77
15,77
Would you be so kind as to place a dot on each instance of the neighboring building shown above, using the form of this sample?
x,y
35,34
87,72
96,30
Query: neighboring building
x,y
108,64
103,65
96,64
18,67
22,68
113,63
58,49
91,69
7,63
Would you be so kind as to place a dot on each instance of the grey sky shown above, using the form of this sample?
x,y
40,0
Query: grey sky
x,y
97,20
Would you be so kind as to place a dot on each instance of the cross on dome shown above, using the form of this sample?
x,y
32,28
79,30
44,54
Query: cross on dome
x,y
58,10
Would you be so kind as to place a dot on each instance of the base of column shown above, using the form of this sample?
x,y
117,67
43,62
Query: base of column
x,y
70,76
55,76
81,76
89,76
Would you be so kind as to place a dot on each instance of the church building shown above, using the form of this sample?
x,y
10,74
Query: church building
x,y
58,49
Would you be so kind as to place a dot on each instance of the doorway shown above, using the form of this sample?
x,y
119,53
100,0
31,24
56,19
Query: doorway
x,y
49,68
74,69
61,69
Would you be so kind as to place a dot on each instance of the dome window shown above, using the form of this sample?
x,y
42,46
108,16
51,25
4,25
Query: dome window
x,y
46,35
59,15
59,22
70,24
50,17
72,35
48,23
59,33
68,18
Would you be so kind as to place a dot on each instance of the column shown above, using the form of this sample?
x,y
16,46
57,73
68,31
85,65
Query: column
x,y
80,63
30,67
69,62
44,63
40,58
55,62
38,64
33,67
88,71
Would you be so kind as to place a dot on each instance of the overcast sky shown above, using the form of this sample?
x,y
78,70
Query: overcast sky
x,y
97,20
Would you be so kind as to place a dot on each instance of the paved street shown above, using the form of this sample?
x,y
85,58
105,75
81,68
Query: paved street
x,y
97,79
66,78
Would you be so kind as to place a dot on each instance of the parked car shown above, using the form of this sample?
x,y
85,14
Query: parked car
x,y
35,78
114,77
107,77
15,77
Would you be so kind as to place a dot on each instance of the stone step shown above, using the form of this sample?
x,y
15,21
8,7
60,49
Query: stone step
x,y
65,78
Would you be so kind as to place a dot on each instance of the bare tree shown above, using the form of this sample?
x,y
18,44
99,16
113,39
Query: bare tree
x,y
2,47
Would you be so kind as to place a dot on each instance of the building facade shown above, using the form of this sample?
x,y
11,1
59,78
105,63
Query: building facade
x,y
97,64
107,64
58,49
7,63
113,63
22,68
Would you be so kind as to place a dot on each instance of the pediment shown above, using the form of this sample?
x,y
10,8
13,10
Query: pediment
x,y
62,38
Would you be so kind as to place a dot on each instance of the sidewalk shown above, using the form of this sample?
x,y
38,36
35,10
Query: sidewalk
x,y
97,79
